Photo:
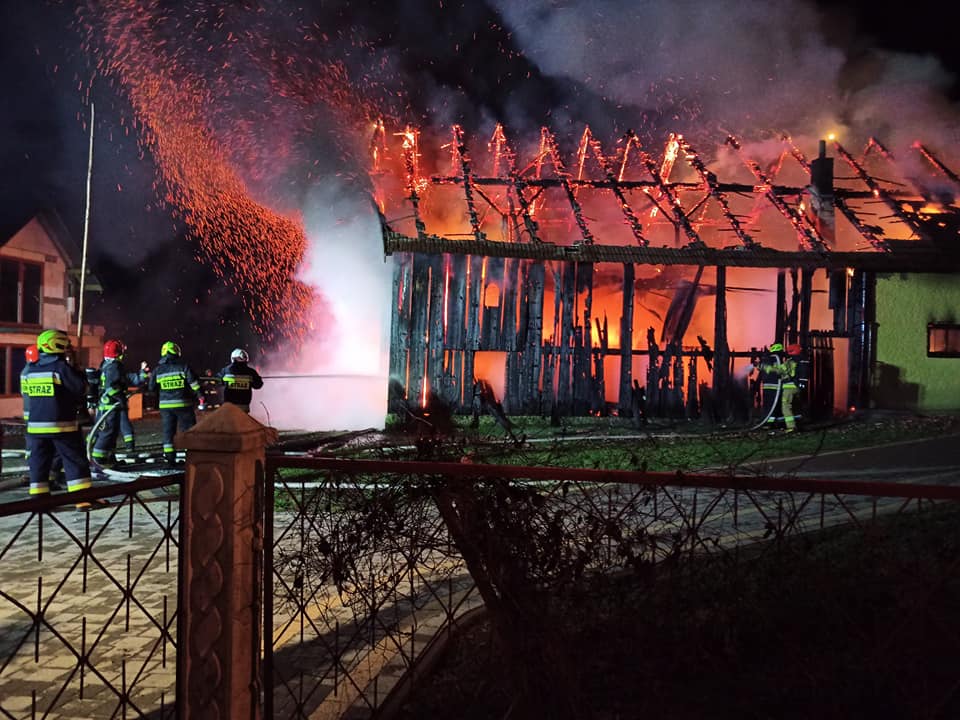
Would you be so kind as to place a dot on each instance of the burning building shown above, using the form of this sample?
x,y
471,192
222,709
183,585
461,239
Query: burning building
x,y
572,283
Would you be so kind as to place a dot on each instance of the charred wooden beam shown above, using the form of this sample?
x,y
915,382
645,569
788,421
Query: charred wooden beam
x,y
713,187
533,345
411,162
629,215
780,322
435,338
806,305
509,298
626,393
808,235
936,162
548,147
679,218
419,323
919,259
881,193
862,323
722,360
460,150
400,326
567,321
871,233
582,383
472,338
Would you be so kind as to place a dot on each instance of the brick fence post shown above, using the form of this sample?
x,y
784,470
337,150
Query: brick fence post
x,y
221,554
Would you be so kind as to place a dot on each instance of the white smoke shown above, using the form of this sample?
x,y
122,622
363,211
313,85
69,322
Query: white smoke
x,y
741,67
339,375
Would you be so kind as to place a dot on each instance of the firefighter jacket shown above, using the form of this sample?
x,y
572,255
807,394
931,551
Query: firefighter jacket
x,y
114,382
55,389
778,370
175,383
239,381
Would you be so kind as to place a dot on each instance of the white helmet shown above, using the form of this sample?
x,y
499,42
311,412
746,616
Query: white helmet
x,y
239,355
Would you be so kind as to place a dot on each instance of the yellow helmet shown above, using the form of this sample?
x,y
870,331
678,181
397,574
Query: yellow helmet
x,y
776,347
170,348
53,342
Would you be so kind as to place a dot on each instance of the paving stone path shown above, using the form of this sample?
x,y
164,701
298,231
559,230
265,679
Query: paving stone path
x,y
103,585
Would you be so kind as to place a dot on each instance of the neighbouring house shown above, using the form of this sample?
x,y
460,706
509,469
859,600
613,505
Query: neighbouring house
x,y
39,288
918,342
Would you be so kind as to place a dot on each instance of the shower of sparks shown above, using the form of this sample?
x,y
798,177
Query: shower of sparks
x,y
219,103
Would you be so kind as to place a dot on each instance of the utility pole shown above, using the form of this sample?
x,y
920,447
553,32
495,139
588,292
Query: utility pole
x,y
86,229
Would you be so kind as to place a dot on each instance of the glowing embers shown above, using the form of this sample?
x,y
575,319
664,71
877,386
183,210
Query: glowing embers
x,y
222,114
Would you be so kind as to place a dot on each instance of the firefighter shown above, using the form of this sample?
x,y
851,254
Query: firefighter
x,y
780,369
112,403
176,385
55,481
32,355
239,380
55,388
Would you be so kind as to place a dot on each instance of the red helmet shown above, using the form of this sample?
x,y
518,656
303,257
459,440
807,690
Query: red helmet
x,y
794,349
113,349
32,353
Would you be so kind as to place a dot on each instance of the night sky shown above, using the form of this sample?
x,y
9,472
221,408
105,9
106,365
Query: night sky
x,y
701,68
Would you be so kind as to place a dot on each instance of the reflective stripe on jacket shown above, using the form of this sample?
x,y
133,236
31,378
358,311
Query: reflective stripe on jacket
x,y
175,383
239,381
55,390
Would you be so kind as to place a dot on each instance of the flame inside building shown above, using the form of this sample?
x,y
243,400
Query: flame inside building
x,y
570,284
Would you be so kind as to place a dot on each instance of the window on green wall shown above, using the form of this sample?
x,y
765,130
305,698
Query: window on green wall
x,y
943,340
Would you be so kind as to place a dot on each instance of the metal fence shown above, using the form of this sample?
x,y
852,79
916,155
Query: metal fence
x,y
367,564
88,603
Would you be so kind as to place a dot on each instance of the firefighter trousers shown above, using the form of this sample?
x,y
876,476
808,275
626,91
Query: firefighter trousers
x,y
69,446
175,419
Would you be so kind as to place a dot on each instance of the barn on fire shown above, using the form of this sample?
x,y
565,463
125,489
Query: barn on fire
x,y
574,283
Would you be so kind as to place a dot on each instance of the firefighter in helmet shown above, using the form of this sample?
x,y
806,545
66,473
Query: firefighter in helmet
x,y
112,406
239,380
176,385
779,369
55,389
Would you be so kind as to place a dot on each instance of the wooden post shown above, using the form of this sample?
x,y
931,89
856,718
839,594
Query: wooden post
x,y
472,337
457,330
530,337
582,372
625,394
221,551
721,352
436,324
564,389
400,327
806,302
780,323
419,311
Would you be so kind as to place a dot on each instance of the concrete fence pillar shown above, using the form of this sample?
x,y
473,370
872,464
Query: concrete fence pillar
x,y
221,555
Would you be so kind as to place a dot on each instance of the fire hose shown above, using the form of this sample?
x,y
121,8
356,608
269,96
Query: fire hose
x,y
92,435
773,406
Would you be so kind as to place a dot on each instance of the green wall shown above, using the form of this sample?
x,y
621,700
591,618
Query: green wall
x,y
905,378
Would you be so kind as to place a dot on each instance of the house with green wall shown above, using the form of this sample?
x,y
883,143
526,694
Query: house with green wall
x,y
918,342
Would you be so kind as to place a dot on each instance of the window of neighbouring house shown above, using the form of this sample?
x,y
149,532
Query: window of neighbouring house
x,y
12,360
943,340
21,291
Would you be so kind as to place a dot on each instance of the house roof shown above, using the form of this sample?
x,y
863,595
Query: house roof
x,y
881,213
51,222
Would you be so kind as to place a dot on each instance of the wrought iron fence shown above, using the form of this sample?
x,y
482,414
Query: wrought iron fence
x,y
368,561
88,603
